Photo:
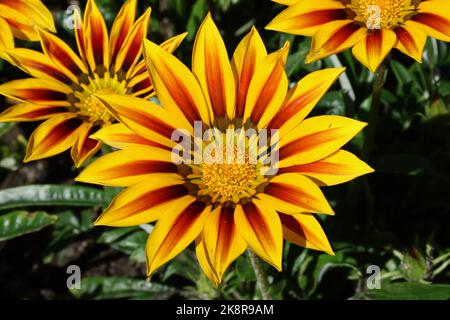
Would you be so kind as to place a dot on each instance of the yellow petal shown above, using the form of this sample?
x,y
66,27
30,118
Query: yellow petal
x,y
38,91
334,37
174,231
120,136
131,50
260,226
176,86
62,55
204,262
267,89
96,37
144,202
305,231
434,19
246,60
171,44
373,49
127,167
302,98
305,17
411,40
53,136
85,147
222,240
294,193
121,27
145,118
29,112
6,36
339,167
316,138
212,67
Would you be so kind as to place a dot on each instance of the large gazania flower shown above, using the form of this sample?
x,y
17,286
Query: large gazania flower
x,y
63,84
371,27
226,206
18,18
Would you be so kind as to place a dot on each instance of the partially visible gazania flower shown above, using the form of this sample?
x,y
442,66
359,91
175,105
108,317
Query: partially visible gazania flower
x,y
225,206
18,18
371,27
62,88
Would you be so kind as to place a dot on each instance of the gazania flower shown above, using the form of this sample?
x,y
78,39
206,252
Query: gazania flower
x,y
18,18
62,85
225,206
371,27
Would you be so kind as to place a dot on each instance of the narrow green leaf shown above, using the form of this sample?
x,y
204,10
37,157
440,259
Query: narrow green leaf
x,y
410,291
17,223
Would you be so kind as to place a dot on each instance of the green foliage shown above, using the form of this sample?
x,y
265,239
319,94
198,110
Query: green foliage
x,y
18,223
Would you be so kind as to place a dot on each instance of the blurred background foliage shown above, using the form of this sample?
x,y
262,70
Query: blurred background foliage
x,y
396,218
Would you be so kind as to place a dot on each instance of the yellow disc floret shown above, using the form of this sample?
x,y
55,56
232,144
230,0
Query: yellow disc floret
x,y
381,14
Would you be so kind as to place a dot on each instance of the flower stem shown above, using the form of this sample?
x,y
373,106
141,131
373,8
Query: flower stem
x,y
377,87
261,277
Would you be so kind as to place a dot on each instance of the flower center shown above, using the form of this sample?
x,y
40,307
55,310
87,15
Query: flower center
x,y
89,106
381,14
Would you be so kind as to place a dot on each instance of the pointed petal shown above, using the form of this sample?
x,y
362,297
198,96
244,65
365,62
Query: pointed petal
x,y
171,44
306,17
144,202
127,167
411,40
22,15
6,36
62,55
222,240
96,37
85,147
131,49
204,261
141,85
37,65
176,86
29,112
38,91
339,167
260,226
316,138
246,60
121,27
120,136
293,193
302,98
305,231
334,37
53,136
80,38
174,232
434,19
145,118
373,49
267,89
212,67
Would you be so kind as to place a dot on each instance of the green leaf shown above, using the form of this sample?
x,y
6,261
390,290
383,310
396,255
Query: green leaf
x,y
121,288
17,223
130,241
410,291
4,127
51,195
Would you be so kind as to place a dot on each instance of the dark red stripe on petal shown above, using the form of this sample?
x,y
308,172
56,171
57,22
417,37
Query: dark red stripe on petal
x,y
134,138
149,122
152,199
292,224
290,194
248,70
226,233
39,95
133,50
50,70
267,92
88,144
61,55
316,18
374,42
434,21
257,223
293,107
340,36
216,82
182,224
42,112
59,133
145,84
135,168
406,39
307,142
